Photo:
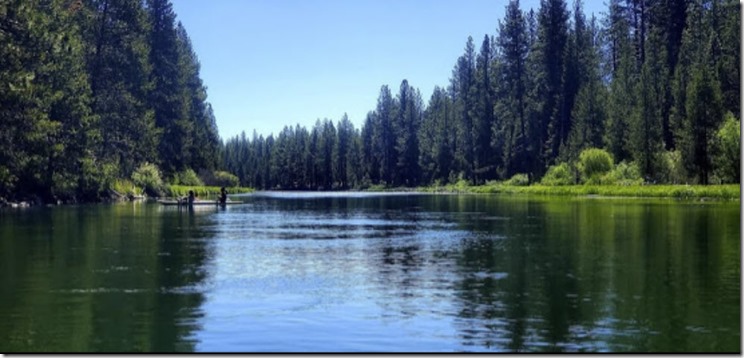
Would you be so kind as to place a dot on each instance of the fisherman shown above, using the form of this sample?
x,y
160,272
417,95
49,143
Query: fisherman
x,y
223,196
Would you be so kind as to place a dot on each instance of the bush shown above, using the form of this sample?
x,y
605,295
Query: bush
x,y
671,169
726,147
187,177
558,175
125,187
593,164
623,174
225,179
519,179
147,176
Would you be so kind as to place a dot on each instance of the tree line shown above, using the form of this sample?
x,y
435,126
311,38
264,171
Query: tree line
x,y
90,90
93,90
655,83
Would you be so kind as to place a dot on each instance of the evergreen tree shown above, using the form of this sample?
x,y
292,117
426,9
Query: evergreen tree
x,y
341,153
510,107
621,100
436,138
168,97
646,130
408,118
384,136
552,37
116,35
462,91
370,160
485,159
589,111
704,113
204,135
48,130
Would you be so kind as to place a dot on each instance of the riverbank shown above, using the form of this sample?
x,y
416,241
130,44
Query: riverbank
x,y
168,191
717,192
202,191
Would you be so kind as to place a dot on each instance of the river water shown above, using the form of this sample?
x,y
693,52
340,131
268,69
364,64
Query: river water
x,y
326,272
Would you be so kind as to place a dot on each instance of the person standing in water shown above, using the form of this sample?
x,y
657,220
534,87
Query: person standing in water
x,y
223,195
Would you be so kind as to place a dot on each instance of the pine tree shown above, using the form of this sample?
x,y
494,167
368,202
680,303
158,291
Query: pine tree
x,y
384,136
511,104
704,113
341,152
621,101
168,97
552,38
204,135
462,91
48,130
485,159
407,122
116,35
370,159
589,111
646,131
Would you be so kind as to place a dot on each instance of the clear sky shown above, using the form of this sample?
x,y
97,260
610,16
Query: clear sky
x,y
271,63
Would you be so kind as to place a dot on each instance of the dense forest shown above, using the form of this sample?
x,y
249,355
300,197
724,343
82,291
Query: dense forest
x,y
655,83
93,91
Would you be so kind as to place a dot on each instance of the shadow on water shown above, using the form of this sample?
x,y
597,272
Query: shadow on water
x,y
582,275
105,278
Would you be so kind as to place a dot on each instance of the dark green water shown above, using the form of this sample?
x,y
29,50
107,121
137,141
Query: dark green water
x,y
363,272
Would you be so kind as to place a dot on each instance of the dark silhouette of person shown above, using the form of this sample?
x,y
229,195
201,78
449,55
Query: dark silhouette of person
x,y
223,195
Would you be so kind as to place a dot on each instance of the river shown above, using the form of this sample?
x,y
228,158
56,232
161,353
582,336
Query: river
x,y
353,272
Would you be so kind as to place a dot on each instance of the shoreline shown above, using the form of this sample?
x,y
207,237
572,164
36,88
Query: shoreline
x,y
727,192
724,192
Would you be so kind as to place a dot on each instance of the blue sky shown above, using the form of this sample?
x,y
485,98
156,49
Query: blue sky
x,y
271,63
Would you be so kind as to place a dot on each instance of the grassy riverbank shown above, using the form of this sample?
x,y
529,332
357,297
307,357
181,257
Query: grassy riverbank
x,y
721,192
202,191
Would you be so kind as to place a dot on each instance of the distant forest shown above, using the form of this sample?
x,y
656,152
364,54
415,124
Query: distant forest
x,y
655,83
92,90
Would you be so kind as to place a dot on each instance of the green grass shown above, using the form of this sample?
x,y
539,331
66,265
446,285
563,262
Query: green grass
x,y
723,192
202,191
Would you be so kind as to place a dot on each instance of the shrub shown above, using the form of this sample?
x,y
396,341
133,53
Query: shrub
x,y
623,174
225,179
593,164
147,176
558,175
726,150
187,177
125,187
519,179
671,169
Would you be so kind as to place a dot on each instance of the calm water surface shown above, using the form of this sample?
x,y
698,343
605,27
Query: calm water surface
x,y
373,272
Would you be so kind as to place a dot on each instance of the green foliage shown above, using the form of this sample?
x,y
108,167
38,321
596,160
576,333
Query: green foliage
x,y
187,177
671,169
593,164
201,191
519,179
225,179
623,174
89,92
125,187
727,145
558,175
147,176
719,192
